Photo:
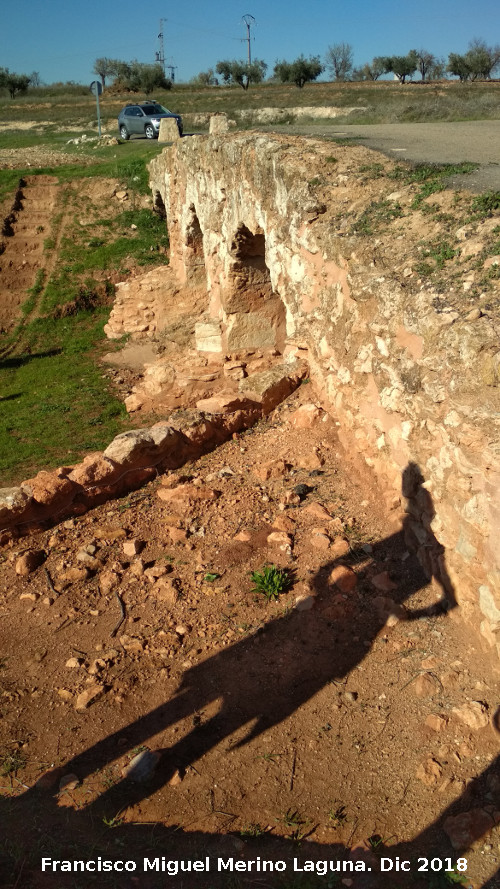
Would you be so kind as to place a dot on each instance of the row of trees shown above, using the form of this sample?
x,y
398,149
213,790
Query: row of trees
x,y
479,62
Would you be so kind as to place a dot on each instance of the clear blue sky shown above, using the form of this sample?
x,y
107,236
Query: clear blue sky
x,y
61,40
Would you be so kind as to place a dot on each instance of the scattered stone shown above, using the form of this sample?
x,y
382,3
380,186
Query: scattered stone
x,y
317,510
31,597
320,539
307,416
181,630
429,772
281,540
69,782
351,696
29,562
65,694
108,580
177,535
142,766
165,589
339,547
89,696
425,686
389,611
271,469
436,722
344,578
132,547
176,779
383,582
474,714
464,829
72,575
131,644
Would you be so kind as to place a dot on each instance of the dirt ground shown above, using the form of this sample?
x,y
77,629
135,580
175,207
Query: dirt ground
x,y
353,719
350,708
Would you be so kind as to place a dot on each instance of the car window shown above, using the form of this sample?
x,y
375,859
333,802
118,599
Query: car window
x,y
129,112
152,109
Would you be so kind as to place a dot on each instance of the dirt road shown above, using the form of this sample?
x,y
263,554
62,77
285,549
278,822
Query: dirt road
x,y
472,140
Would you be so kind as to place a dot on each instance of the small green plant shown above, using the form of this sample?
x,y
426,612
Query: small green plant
x,y
484,204
315,181
337,816
253,830
271,581
210,576
113,822
10,763
330,159
291,818
268,757
378,213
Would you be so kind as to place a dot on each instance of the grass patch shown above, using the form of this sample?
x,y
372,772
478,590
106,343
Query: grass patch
x,y
55,405
430,178
376,215
440,252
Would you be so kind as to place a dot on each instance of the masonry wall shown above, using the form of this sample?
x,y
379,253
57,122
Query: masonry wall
x,y
413,387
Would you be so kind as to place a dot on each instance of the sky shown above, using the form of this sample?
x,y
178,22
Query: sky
x,y
61,39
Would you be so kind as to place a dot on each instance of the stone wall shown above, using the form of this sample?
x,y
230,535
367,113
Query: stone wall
x,y
261,223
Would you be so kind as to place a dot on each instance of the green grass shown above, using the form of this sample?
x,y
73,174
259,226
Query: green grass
x,y
55,405
376,215
430,178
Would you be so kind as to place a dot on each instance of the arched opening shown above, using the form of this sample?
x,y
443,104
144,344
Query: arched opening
x,y
255,314
159,206
194,259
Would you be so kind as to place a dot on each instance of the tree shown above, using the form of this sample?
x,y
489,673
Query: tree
x,y
425,61
339,60
458,66
35,79
481,59
104,67
300,71
242,73
370,70
14,83
205,78
402,66
137,76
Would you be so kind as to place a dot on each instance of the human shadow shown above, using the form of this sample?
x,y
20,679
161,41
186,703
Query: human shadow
x,y
260,681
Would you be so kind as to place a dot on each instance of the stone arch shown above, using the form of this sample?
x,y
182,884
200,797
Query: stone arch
x,y
254,313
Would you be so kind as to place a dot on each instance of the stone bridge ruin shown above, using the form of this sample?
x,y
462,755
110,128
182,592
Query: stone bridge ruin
x,y
264,260
257,227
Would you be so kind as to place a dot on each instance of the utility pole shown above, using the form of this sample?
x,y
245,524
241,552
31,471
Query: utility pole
x,y
160,56
248,21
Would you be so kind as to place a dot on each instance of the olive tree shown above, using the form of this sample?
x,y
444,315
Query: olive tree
x,y
242,73
300,72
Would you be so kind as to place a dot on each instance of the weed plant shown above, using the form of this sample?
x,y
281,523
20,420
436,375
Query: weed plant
x,y
271,581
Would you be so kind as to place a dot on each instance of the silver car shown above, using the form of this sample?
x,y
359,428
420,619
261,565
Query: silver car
x,y
144,120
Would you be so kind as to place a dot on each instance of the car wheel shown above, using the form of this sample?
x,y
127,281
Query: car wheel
x,y
124,133
150,131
